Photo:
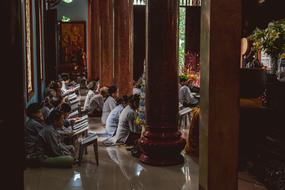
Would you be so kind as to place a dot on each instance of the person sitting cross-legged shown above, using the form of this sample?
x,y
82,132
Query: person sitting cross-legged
x,y
51,151
113,118
109,104
33,126
97,102
128,132
185,96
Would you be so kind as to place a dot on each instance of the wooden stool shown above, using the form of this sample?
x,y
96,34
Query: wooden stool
x,y
86,142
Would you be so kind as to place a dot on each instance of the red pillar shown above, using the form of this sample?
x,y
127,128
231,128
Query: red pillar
x,y
161,142
107,42
123,63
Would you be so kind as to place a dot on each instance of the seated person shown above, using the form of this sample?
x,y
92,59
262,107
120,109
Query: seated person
x,y
51,151
113,118
137,89
127,132
33,126
185,96
97,102
91,86
65,109
109,104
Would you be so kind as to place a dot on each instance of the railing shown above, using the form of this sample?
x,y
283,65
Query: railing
x,y
182,3
139,2
189,3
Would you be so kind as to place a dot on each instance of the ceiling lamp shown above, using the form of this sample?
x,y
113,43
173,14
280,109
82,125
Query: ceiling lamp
x,y
67,1
65,19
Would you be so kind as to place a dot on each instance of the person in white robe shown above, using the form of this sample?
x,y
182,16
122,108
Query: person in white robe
x,y
127,130
185,96
97,102
113,118
91,86
109,104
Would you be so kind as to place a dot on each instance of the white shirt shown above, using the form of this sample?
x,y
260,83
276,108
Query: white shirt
x,y
89,95
126,125
96,103
137,91
108,106
185,96
113,119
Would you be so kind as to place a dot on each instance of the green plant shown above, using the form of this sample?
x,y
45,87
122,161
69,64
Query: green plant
x,y
271,40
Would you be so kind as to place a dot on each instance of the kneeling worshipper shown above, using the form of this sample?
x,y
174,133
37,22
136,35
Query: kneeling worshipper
x,y
97,102
113,118
109,104
127,132
91,93
185,96
33,126
51,151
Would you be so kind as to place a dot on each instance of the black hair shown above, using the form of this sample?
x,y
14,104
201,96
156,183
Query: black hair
x,y
54,85
134,99
56,101
112,89
54,115
65,108
33,108
122,100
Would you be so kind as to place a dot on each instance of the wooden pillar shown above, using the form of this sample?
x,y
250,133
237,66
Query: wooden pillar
x,y
90,50
219,116
107,42
161,142
12,77
124,46
96,32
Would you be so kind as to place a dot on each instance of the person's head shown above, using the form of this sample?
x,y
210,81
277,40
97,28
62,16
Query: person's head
x,y
91,85
65,108
133,101
33,111
122,100
65,76
56,86
56,101
113,91
55,118
183,80
104,92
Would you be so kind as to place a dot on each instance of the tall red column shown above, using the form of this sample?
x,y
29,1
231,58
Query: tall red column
x,y
161,142
123,63
96,32
107,42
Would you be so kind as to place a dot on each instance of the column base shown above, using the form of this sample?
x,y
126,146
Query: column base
x,y
162,149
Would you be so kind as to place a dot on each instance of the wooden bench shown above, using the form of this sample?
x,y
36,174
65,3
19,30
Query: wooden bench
x,y
90,140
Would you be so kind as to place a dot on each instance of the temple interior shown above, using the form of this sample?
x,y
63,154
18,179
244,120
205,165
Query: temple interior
x,y
143,94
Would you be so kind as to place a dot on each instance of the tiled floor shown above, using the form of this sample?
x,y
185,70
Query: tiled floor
x,y
119,170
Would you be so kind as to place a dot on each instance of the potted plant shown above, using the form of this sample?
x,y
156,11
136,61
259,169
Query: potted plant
x,y
271,40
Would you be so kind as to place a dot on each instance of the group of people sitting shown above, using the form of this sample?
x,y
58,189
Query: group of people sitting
x,y
118,114
44,145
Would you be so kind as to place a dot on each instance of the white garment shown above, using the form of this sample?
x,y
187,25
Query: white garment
x,y
126,125
89,95
137,91
185,96
108,106
96,104
113,119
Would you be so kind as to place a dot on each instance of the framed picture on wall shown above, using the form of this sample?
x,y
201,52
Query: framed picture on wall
x,y
72,42
29,48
